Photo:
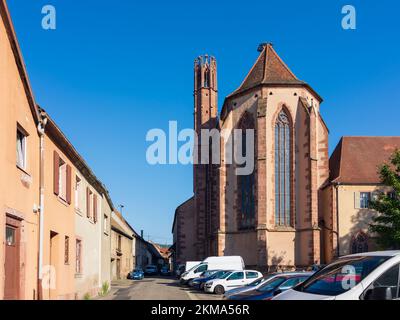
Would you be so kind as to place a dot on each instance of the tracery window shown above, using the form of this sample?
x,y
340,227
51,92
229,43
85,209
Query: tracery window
x,y
246,183
283,214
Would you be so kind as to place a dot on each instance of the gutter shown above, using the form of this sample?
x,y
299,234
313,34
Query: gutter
x,y
41,127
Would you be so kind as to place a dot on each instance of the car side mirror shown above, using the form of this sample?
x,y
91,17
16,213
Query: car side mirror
x,y
380,293
277,291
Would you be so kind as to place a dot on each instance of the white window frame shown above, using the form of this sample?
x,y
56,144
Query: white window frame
x,y
24,134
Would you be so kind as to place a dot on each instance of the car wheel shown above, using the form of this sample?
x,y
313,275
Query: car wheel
x,y
219,289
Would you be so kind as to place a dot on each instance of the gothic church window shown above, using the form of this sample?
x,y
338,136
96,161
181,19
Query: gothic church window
x,y
246,183
282,170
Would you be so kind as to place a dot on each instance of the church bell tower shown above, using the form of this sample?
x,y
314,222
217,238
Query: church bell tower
x,y
204,175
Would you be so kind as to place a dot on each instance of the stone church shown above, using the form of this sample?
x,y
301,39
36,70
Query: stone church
x,y
283,213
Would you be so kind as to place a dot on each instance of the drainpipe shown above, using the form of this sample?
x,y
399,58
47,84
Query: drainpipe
x,y
40,128
337,219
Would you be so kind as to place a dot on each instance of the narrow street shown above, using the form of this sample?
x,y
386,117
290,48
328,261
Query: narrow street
x,y
155,288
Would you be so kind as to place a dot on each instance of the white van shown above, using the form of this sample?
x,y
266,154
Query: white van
x,y
361,276
190,264
213,263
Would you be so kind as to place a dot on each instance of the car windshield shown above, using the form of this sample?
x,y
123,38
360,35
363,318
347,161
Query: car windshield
x,y
271,284
224,275
255,282
341,275
217,275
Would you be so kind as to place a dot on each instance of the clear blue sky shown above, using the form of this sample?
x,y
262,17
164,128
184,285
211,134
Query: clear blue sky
x,y
112,70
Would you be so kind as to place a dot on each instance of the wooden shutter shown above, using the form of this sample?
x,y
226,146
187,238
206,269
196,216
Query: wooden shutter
x,y
87,202
356,200
56,173
95,208
68,193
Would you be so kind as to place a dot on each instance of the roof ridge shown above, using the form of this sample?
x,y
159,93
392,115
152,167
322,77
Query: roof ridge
x,y
271,48
263,53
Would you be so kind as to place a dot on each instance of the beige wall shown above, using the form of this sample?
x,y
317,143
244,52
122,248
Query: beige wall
x,y
59,217
352,220
105,231
19,189
89,232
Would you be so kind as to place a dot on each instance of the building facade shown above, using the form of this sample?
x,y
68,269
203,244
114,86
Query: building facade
x,y
55,241
184,233
105,250
354,181
19,171
121,247
273,210
296,207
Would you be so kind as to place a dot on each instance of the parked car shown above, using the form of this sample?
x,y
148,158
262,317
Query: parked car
x,y
137,274
165,271
251,286
151,270
317,267
199,283
272,287
361,276
231,280
179,270
221,263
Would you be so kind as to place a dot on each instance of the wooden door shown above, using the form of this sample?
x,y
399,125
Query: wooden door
x,y
118,269
54,258
12,259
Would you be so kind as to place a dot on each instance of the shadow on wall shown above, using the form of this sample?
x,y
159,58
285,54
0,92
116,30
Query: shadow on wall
x,y
359,226
275,261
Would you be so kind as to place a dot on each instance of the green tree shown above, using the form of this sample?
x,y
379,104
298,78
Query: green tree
x,y
386,224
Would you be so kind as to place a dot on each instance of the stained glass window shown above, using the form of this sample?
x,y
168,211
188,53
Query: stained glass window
x,y
282,170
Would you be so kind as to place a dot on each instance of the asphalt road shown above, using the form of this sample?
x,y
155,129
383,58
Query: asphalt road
x,y
155,288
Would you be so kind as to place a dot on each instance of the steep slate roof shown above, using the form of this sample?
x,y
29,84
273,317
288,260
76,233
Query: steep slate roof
x,y
268,69
356,159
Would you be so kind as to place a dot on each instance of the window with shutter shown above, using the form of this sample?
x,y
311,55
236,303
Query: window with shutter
x,y
94,208
56,172
357,200
68,185
88,202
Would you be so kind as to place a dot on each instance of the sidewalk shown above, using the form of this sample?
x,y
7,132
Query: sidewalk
x,y
115,286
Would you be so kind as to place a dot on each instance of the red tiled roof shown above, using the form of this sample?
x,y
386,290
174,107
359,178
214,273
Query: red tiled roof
x,y
268,69
356,159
